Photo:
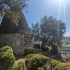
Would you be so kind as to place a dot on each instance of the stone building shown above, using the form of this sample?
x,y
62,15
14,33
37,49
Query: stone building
x,y
18,37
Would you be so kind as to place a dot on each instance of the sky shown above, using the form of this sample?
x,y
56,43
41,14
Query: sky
x,y
59,9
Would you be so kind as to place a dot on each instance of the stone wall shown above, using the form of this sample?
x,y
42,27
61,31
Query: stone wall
x,y
18,41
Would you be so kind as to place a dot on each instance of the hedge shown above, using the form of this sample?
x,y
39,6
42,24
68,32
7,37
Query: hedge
x,y
7,58
19,66
29,50
36,60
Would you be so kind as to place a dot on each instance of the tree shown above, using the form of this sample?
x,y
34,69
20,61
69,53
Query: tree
x,y
6,5
36,31
7,58
50,31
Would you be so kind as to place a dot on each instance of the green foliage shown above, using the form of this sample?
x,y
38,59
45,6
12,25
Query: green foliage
x,y
7,58
30,55
40,62
6,49
35,61
36,31
13,19
14,67
49,30
54,49
56,65
45,48
51,65
19,66
29,50
40,68
62,66
11,4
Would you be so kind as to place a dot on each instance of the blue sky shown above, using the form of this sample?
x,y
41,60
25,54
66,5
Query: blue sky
x,y
59,9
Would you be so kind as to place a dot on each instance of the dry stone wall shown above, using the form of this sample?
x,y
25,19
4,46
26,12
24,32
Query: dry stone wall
x,y
18,41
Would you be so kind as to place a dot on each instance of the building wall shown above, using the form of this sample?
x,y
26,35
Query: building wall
x,y
18,41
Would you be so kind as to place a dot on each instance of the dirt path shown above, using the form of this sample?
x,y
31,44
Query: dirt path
x,y
20,60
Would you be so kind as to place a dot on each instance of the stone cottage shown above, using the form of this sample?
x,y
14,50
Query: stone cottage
x,y
17,36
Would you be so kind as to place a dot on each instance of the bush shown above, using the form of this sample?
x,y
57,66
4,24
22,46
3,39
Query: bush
x,y
30,55
7,58
29,50
19,66
54,49
6,49
45,48
35,61
41,62
40,68
51,65
14,67
62,66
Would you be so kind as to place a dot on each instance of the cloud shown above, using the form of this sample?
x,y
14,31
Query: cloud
x,y
67,34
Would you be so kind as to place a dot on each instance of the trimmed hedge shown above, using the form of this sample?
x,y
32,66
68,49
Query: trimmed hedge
x,y
7,58
6,49
29,50
19,66
62,66
35,61
51,64
40,68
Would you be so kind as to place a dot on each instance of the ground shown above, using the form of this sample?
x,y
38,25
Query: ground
x,y
20,59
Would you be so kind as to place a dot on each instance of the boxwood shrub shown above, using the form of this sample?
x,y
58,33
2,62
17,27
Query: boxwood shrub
x,y
29,50
35,61
62,66
6,49
19,66
7,58
40,68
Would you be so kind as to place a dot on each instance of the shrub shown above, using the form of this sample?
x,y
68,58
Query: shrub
x,y
29,50
54,49
36,60
45,48
14,67
30,55
51,65
19,66
62,66
6,49
7,58
40,68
